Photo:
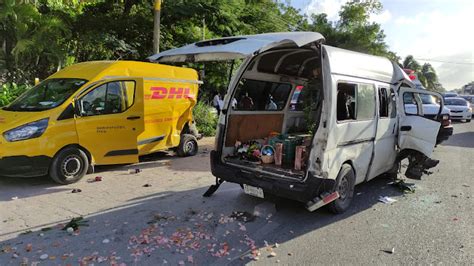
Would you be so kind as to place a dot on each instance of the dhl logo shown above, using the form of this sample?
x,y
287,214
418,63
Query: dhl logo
x,y
158,93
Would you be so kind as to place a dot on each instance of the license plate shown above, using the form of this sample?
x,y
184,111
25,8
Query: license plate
x,y
254,191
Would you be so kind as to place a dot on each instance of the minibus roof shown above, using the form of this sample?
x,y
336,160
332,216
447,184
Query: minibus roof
x,y
96,70
349,63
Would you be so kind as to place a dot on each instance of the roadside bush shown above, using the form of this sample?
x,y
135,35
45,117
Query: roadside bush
x,y
206,121
10,91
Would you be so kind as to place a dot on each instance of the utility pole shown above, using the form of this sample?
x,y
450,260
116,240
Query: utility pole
x,y
156,27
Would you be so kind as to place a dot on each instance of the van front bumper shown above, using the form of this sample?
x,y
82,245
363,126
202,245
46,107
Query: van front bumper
x,y
24,166
295,190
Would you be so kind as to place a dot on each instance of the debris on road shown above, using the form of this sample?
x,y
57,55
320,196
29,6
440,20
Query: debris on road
x,y
389,251
386,200
243,216
134,171
14,198
147,185
44,256
404,187
76,190
96,179
266,209
75,223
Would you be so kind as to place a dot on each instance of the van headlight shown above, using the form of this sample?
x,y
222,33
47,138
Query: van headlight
x,y
27,131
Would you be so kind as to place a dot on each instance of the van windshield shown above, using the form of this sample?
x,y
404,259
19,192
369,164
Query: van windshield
x,y
46,95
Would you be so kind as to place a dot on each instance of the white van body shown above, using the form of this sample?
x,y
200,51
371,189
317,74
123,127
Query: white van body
x,y
359,148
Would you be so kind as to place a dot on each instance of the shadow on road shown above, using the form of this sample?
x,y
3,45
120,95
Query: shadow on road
x,y
464,139
171,226
15,187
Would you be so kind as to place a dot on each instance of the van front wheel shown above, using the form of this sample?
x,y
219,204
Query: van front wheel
x,y
345,183
69,166
188,146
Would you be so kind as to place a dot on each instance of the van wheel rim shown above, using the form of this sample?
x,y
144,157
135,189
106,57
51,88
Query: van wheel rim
x,y
189,147
343,188
71,166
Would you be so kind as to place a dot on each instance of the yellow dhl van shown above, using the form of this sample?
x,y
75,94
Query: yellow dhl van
x,y
98,113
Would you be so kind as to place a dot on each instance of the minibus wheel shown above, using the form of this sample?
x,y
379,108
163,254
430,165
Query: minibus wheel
x,y
345,183
188,146
69,166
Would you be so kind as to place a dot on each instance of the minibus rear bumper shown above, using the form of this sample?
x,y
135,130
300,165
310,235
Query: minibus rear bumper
x,y
24,166
286,188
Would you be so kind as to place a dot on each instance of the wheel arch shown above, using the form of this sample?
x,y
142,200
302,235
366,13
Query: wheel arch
x,y
90,158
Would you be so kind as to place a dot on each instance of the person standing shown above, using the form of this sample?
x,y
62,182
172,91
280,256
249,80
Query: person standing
x,y
215,102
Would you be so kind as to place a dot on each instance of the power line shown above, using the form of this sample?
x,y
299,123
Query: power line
x,y
442,61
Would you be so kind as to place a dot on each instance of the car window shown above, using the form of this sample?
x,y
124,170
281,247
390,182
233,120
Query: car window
x,y
455,101
110,98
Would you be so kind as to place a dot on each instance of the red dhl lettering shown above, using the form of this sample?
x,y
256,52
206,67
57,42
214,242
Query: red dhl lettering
x,y
171,93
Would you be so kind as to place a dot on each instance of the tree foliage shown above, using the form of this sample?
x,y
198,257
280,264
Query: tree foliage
x,y
41,36
425,73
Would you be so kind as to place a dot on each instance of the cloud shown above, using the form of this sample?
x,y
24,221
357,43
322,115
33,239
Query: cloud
x,y
439,36
330,7
381,18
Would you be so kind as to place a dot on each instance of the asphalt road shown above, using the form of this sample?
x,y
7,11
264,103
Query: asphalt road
x,y
170,223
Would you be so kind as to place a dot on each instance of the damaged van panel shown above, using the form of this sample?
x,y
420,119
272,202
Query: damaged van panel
x,y
308,122
236,47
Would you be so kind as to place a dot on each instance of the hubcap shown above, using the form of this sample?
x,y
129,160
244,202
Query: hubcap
x,y
71,166
343,188
189,147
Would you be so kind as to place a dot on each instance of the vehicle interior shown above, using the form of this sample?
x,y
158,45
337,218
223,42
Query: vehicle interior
x,y
276,101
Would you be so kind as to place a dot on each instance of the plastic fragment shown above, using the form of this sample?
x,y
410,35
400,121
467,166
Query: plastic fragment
x,y
105,241
387,200
44,256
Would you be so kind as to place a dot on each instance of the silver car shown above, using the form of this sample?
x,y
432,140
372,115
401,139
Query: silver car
x,y
459,109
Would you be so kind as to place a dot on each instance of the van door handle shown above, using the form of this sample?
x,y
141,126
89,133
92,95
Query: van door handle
x,y
133,117
405,128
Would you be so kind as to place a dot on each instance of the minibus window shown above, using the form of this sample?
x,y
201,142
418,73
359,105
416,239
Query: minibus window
x,y
46,95
384,103
257,95
410,104
346,104
392,104
365,102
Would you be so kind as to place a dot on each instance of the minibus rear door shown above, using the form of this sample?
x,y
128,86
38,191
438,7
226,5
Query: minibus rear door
x,y
415,131
230,48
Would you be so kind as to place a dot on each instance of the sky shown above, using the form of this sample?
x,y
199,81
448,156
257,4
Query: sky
x,y
439,32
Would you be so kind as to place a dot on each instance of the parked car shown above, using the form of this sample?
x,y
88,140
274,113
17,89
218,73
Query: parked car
x,y
103,112
344,130
459,108
449,94
431,110
469,98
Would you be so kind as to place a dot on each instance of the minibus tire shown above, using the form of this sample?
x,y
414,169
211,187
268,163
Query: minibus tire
x,y
57,173
345,183
188,146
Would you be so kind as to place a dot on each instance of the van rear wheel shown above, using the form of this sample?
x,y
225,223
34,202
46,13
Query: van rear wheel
x,y
188,146
345,183
69,166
